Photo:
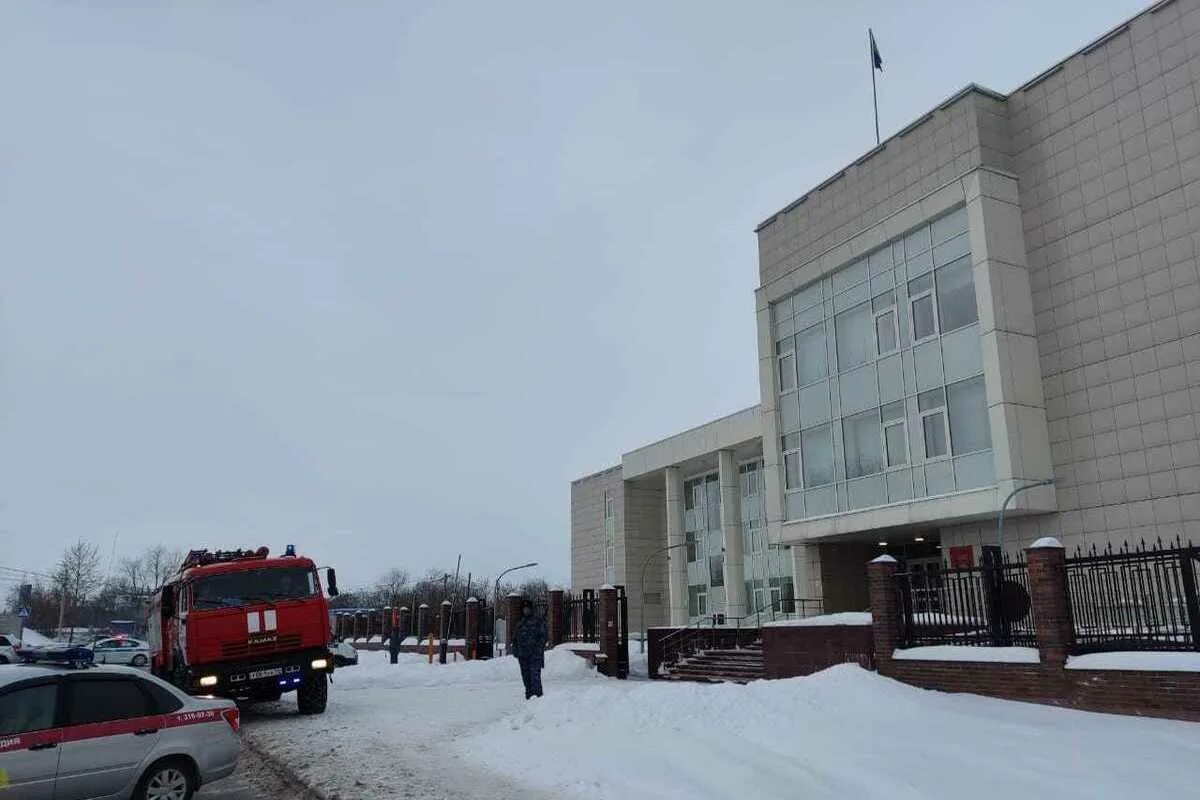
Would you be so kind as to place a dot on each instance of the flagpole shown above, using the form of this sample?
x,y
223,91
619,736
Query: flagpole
x,y
874,96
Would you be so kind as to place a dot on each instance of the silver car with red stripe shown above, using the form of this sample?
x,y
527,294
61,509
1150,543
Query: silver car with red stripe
x,y
109,733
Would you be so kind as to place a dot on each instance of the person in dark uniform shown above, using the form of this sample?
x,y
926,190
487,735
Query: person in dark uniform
x,y
529,646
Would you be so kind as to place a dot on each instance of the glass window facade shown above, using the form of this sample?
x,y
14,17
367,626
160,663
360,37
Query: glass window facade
x,y
706,544
881,388
767,569
610,538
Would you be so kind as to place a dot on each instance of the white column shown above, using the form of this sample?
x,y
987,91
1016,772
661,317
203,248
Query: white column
x,y
677,583
731,530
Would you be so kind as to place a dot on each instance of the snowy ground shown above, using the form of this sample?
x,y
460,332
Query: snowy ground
x,y
390,731
464,731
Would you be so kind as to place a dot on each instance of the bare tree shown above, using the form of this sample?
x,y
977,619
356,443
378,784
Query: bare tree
x,y
78,575
131,575
394,585
159,563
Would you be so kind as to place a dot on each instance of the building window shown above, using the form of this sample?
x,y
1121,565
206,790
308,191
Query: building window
x,y
792,470
956,295
932,406
854,337
969,427
812,359
716,570
697,601
895,439
864,448
787,365
817,447
690,545
924,316
887,334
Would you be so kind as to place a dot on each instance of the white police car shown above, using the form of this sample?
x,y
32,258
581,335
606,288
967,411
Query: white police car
x,y
8,649
121,650
108,733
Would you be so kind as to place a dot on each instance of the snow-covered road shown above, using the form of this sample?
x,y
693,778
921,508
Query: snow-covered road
x,y
391,731
464,731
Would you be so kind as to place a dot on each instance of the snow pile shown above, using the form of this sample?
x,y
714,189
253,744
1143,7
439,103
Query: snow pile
x,y
1138,660
581,647
950,652
842,733
841,618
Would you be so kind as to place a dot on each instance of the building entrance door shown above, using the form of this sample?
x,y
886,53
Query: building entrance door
x,y
925,577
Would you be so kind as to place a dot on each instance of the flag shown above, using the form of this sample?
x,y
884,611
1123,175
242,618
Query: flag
x,y
876,59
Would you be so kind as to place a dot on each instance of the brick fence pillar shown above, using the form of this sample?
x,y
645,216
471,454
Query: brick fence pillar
x,y
512,616
607,632
1050,601
885,608
444,620
405,623
557,634
422,621
472,627
360,624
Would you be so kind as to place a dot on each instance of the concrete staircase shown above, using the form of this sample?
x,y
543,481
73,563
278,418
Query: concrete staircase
x,y
721,666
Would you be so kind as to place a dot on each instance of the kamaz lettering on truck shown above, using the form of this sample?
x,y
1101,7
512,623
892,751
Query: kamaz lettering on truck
x,y
244,625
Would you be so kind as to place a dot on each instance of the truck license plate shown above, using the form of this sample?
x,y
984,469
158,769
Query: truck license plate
x,y
265,673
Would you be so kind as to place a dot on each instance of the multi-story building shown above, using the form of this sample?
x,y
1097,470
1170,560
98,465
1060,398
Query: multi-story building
x,y
1003,293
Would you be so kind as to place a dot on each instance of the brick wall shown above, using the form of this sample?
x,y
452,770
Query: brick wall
x,y
1173,695
794,650
1032,682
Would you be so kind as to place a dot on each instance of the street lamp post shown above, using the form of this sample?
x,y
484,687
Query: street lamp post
x,y
496,593
645,564
1004,505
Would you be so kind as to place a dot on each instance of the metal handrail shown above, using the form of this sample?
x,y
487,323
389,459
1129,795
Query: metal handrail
x,y
693,630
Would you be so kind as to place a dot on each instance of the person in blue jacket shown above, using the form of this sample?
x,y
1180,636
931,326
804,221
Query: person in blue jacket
x,y
529,646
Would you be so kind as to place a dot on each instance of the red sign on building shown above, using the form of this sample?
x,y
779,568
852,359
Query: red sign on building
x,y
962,555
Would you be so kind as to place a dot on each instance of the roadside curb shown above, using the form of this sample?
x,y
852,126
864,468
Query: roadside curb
x,y
284,772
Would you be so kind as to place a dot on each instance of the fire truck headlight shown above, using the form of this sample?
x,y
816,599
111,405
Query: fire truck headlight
x,y
320,663
208,680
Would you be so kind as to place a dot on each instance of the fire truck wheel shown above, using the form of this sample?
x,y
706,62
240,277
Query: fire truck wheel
x,y
313,694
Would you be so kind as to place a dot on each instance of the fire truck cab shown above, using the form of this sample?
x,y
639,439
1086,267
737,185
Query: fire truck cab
x,y
244,625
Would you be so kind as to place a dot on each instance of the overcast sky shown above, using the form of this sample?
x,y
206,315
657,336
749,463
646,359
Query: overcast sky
x,y
380,279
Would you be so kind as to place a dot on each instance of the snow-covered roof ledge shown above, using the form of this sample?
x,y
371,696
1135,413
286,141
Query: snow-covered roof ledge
x,y
883,559
1139,660
607,586
1046,541
952,652
838,619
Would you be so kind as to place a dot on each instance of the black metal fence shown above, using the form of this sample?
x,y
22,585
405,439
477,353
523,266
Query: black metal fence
x,y
581,613
1135,598
981,606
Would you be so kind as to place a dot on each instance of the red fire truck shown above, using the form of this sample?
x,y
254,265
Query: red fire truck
x,y
242,624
